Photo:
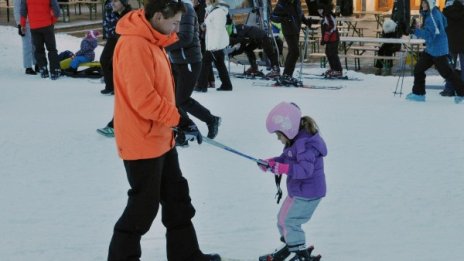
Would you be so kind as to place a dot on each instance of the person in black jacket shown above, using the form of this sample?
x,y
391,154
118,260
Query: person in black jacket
x,y
250,38
114,11
289,14
185,56
200,9
454,12
389,30
118,9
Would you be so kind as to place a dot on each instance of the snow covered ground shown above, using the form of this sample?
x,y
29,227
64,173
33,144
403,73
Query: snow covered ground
x,y
394,170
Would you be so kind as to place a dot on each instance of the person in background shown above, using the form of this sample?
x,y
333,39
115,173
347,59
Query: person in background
x,y
185,56
454,12
114,10
331,39
42,16
436,53
302,160
200,9
216,40
250,38
145,116
86,53
26,41
389,30
290,16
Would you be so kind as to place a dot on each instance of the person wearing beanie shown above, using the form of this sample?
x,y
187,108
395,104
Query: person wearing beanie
x,y
302,161
389,30
118,8
114,10
86,53
454,12
436,53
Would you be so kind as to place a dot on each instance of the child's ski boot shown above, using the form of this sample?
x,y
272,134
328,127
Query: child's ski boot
x,y
278,255
304,255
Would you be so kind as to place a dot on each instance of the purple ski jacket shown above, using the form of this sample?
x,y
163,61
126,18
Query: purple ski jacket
x,y
306,177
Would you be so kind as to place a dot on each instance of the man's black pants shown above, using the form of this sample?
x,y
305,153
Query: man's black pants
x,y
152,182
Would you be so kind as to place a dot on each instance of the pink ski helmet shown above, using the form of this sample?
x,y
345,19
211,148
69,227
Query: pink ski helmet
x,y
285,117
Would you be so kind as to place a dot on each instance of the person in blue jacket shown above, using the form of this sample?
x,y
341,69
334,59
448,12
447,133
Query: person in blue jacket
x,y
435,53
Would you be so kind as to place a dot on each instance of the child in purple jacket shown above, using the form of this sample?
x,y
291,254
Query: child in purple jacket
x,y
87,51
302,161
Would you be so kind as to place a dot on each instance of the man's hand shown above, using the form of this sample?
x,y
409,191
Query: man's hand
x,y
21,30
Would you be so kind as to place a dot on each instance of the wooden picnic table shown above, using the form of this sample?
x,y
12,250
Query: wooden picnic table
x,y
412,46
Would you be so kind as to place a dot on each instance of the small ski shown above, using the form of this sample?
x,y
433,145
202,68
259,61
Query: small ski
x,y
270,257
322,77
250,77
305,86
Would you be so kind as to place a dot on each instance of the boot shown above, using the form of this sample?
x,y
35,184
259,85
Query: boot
x,y
30,71
378,71
387,71
279,254
43,72
335,74
55,74
301,255
287,80
213,127
275,72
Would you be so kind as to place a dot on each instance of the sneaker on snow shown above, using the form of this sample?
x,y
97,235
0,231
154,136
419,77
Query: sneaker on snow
x,y
415,97
459,99
107,92
106,131
213,127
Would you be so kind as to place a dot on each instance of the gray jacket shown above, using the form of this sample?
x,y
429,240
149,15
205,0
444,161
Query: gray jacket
x,y
187,49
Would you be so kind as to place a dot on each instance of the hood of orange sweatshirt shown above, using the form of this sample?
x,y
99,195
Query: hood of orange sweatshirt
x,y
135,24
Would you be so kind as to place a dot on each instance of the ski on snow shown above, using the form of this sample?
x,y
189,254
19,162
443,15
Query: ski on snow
x,y
322,77
304,86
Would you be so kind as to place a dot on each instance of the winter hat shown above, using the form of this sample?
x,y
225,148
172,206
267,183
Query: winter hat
x,y
285,117
93,34
389,26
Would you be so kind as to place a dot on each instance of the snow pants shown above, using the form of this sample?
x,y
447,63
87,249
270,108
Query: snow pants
x,y
106,61
218,58
41,38
293,53
153,182
185,77
331,51
293,213
443,67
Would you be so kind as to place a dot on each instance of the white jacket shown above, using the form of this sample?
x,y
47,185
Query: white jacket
x,y
216,37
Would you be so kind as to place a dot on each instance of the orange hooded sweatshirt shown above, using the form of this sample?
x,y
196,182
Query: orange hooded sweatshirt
x,y
145,108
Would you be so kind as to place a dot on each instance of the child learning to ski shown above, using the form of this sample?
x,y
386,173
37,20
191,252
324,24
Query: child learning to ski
x,y
302,161
331,39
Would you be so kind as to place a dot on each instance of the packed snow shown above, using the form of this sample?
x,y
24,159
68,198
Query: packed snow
x,y
394,169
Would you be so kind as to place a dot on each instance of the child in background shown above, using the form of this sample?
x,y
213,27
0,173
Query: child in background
x,y
86,53
302,161
331,39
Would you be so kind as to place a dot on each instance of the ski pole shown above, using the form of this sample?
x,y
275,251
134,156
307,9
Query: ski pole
x,y
222,146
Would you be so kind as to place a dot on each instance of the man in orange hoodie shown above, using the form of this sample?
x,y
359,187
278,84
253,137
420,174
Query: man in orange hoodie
x,y
145,114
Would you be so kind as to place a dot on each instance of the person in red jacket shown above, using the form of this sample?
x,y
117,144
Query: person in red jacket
x,y
42,15
145,115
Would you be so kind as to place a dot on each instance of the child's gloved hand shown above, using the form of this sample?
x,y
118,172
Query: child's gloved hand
x,y
274,167
264,164
278,168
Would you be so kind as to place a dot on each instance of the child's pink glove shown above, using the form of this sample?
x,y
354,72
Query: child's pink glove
x,y
264,164
275,167
278,168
